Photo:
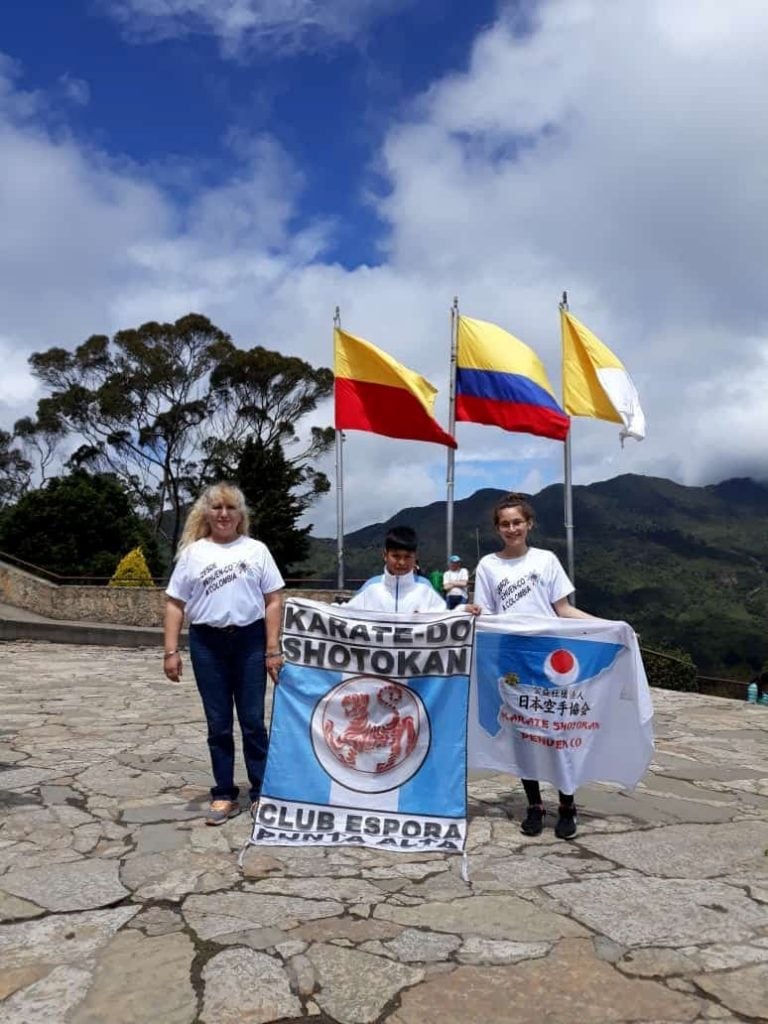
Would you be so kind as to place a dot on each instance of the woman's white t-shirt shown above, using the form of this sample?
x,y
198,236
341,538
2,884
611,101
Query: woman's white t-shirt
x,y
529,584
224,584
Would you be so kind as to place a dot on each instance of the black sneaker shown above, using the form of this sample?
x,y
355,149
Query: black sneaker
x,y
565,827
532,823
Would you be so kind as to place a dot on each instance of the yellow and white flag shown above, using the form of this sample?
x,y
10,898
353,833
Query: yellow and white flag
x,y
595,382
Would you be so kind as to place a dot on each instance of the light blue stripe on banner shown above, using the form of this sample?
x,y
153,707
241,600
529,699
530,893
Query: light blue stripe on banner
x,y
293,772
503,387
441,783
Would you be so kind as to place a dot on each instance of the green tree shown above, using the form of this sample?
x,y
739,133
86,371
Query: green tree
x,y
40,440
170,407
670,668
263,396
276,508
139,402
76,525
15,469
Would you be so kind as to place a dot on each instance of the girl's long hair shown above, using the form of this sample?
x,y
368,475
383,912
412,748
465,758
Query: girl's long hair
x,y
197,526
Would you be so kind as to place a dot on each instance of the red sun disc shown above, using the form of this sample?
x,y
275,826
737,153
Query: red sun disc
x,y
562,661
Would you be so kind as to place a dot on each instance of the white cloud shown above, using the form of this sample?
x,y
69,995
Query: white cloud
x,y
76,90
69,219
616,150
15,102
611,153
285,25
16,386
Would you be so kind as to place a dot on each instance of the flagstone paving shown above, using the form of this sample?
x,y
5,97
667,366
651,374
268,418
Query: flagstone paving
x,y
118,906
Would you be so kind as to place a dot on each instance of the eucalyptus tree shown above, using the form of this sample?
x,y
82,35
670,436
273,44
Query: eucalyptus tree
x,y
167,407
137,402
278,492
263,399
15,469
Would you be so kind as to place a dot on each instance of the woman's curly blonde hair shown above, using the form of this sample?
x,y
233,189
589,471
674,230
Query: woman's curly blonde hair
x,y
197,526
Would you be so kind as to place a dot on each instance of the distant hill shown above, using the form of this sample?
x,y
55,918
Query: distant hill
x,y
687,566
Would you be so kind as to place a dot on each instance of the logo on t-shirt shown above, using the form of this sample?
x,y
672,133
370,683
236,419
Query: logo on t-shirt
x,y
215,577
510,591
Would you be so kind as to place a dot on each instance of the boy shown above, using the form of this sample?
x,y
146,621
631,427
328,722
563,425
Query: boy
x,y
398,588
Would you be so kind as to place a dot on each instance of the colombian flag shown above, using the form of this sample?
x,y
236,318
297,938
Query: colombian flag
x,y
376,393
501,382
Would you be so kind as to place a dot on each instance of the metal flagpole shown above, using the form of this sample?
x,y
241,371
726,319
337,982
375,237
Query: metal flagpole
x,y
339,485
567,480
451,462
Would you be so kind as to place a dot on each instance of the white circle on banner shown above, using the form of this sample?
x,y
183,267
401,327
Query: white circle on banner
x,y
370,734
561,667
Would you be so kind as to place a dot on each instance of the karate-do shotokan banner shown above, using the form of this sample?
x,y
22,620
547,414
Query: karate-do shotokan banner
x,y
561,700
368,736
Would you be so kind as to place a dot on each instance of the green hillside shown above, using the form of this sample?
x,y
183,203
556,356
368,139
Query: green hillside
x,y
687,566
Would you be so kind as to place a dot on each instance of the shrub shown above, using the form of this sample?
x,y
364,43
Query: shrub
x,y
132,571
74,526
670,669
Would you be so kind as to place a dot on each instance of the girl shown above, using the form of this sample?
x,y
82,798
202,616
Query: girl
x,y
524,579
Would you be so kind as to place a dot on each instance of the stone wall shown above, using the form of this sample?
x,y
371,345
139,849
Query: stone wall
x,y
125,606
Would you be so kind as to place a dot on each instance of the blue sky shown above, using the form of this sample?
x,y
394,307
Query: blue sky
x,y
261,161
329,102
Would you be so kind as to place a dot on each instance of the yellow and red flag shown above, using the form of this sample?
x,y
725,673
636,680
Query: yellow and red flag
x,y
374,392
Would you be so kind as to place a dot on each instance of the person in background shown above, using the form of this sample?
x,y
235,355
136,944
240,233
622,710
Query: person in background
x,y
455,582
525,579
436,579
399,588
230,588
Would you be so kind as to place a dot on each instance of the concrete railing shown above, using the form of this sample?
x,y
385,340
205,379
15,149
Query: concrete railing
x,y
715,686
125,606
143,606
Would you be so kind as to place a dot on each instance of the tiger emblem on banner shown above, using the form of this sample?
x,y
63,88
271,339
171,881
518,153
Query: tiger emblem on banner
x,y
370,734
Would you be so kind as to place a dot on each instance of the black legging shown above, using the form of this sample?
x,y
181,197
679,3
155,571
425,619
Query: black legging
x,y
533,793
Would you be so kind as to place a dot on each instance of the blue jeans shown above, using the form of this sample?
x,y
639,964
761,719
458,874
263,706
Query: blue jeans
x,y
230,671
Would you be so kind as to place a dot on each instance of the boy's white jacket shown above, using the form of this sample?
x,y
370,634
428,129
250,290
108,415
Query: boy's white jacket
x,y
389,593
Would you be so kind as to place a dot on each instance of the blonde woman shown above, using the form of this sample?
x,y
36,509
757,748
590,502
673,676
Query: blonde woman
x,y
230,589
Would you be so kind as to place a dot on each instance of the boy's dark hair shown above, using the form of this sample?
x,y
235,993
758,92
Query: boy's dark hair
x,y
514,500
401,538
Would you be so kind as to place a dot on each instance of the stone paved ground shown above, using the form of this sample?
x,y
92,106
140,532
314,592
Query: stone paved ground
x,y
118,906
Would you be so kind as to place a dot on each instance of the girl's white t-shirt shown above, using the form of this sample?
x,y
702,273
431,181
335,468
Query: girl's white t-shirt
x,y
529,584
224,584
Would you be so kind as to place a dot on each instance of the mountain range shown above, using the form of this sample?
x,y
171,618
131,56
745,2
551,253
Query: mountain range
x,y
686,566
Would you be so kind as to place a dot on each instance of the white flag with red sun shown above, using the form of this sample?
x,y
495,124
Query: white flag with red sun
x,y
565,701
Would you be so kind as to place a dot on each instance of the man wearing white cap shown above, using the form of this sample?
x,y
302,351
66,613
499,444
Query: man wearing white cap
x,y
455,582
